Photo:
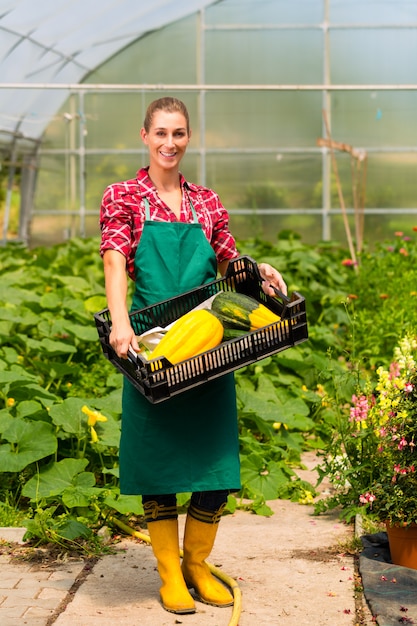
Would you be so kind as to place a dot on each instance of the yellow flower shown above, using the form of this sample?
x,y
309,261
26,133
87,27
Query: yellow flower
x,y
307,498
93,416
277,425
10,402
94,436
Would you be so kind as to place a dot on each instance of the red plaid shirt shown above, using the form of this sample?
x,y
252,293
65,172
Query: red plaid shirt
x,y
122,216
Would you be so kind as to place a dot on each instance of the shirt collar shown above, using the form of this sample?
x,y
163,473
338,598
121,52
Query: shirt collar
x,y
147,187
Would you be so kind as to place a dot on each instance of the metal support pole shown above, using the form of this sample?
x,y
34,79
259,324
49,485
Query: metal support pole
x,y
81,153
27,193
10,182
326,159
202,95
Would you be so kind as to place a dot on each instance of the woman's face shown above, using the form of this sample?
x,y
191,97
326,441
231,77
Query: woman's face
x,y
167,139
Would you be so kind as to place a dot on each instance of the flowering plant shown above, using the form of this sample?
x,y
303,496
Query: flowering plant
x,y
375,465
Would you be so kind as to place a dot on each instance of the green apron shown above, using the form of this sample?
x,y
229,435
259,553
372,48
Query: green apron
x,y
189,442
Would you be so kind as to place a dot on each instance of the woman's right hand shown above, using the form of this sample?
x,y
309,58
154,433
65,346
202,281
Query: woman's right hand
x,y
122,337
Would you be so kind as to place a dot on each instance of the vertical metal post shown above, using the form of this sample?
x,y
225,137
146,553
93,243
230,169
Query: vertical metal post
x,y
27,192
81,155
200,59
326,105
10,183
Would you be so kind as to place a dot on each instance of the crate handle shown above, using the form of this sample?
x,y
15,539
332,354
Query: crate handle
x,y
283,297
132,356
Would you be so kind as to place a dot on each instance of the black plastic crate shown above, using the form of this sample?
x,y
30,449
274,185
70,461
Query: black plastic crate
x,y
243,277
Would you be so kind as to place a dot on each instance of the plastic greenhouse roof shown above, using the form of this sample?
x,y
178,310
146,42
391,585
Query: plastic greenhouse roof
x,y
62,41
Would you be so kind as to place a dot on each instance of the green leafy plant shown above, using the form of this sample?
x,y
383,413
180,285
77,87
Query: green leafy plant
x,y
372,459
60,399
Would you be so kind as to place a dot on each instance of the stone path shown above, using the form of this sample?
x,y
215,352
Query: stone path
x,y
291,570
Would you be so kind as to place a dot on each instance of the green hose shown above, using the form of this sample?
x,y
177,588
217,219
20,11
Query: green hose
x,y
230,582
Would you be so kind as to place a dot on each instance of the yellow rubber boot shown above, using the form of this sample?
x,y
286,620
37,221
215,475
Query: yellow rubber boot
x,y
175,596
198,542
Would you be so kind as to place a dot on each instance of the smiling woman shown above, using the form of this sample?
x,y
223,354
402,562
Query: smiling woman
x,y
171,236
166,133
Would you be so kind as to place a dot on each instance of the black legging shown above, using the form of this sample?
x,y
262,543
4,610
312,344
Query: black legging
x,y
165,506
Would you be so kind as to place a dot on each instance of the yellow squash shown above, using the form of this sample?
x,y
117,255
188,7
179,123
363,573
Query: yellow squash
x,y
241,312
193,333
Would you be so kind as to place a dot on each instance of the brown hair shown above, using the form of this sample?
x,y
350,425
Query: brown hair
x,y
171,105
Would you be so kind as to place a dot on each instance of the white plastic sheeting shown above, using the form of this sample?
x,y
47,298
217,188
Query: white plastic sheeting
x,y
62,41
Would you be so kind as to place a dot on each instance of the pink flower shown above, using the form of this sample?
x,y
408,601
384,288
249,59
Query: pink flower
x,y
402,444
360,408
348,262
403,251
367,498
394,370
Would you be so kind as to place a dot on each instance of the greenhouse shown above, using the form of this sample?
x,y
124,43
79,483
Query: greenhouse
x,y
303,113
166,364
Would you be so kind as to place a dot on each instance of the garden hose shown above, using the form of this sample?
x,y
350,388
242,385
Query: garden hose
x,y
230,582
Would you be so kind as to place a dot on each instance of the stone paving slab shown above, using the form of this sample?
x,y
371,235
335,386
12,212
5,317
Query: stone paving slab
x,y
32,594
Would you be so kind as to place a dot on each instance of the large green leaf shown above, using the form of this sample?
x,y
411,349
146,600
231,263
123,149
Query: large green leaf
x,y
295,406
108,433
11,356
6,328
5,420
258,479
53,480
112,403
125,504
95,304
299,422
53,347
81,491
27,442
82,332
72,529
51,300
31,409
21,392
269,408
69,417
15,375
75,284
15,295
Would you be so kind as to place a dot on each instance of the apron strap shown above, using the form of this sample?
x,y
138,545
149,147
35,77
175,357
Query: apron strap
x,y
148,212
193,211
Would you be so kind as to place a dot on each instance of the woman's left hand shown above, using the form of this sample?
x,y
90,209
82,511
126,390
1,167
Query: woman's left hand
x,y
271,276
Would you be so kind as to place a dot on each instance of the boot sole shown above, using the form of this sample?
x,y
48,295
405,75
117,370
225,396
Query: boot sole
x,y
220,606
201,599
179,611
